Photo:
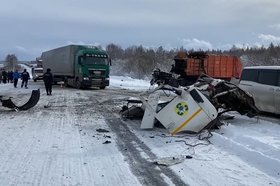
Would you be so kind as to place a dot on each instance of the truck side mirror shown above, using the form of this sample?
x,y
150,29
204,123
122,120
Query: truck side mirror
x,y
110,62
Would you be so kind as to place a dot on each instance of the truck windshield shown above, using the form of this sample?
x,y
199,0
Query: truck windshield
x,y
94,60
38,71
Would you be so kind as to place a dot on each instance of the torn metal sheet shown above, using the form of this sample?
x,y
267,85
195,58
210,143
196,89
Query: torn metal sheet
x,y
150,108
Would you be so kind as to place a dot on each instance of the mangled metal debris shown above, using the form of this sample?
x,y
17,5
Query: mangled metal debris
x,y
189,110
226,96
133,111
194,107
33,100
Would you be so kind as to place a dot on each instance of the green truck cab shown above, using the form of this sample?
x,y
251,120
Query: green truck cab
x,y
78,66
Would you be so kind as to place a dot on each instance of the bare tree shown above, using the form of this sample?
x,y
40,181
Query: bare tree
x,y
11,62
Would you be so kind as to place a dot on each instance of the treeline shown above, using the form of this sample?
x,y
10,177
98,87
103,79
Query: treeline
x,y
139,62
258,55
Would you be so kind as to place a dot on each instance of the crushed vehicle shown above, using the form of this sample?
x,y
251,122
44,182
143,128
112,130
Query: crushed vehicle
x,y
188,67
33,100
189,110
191,107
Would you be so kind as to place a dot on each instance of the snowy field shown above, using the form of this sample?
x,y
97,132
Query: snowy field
x,y
57,142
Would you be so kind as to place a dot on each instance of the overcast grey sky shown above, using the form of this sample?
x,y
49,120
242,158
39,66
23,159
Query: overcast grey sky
x,y
29,27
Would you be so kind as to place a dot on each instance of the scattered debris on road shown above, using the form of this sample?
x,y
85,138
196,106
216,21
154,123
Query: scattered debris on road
x,y
106,142
101,130
168,161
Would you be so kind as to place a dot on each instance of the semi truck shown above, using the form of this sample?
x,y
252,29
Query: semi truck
x,y
79,66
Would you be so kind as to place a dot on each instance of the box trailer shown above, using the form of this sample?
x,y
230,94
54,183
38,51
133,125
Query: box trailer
x,y
191,66
78,66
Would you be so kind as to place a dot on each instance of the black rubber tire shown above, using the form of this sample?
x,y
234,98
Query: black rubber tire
x,y
78,85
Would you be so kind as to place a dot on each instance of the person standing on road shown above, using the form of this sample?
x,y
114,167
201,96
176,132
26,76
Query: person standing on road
x,y
4,74
8,76
25,77
11,76
48,80
0,76
15,76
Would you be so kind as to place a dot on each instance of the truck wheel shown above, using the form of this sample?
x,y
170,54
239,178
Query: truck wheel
x,y
34,80
102,87
65,82
78,84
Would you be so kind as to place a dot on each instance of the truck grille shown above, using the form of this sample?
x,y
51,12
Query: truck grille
x,y
96,73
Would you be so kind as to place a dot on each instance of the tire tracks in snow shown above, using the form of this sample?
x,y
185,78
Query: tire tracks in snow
x,y
147,172
262,161
136,152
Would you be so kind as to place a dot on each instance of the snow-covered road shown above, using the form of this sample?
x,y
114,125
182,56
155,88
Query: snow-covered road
x,y
57,143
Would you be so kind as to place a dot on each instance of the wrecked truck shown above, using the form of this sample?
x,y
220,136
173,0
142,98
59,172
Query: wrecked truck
x,y
190,108
189,66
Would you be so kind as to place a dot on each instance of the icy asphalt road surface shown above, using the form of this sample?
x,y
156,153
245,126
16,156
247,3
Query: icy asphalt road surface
x,y
56,143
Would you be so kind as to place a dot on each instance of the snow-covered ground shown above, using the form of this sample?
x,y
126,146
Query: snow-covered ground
x,y
129,83
57,143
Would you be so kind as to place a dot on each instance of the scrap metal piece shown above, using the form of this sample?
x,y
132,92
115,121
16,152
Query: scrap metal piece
x,y
168,161
150,108
33,100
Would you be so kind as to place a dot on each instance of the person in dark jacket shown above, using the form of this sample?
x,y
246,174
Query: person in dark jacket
x,y
11,76
15,76
48,80
25,77
8,76
4,75
0,76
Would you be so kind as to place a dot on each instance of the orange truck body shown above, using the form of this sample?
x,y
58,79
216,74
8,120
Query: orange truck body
x,y
216,66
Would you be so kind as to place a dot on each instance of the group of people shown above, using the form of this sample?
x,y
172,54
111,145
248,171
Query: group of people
x,y
13,78
6,77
